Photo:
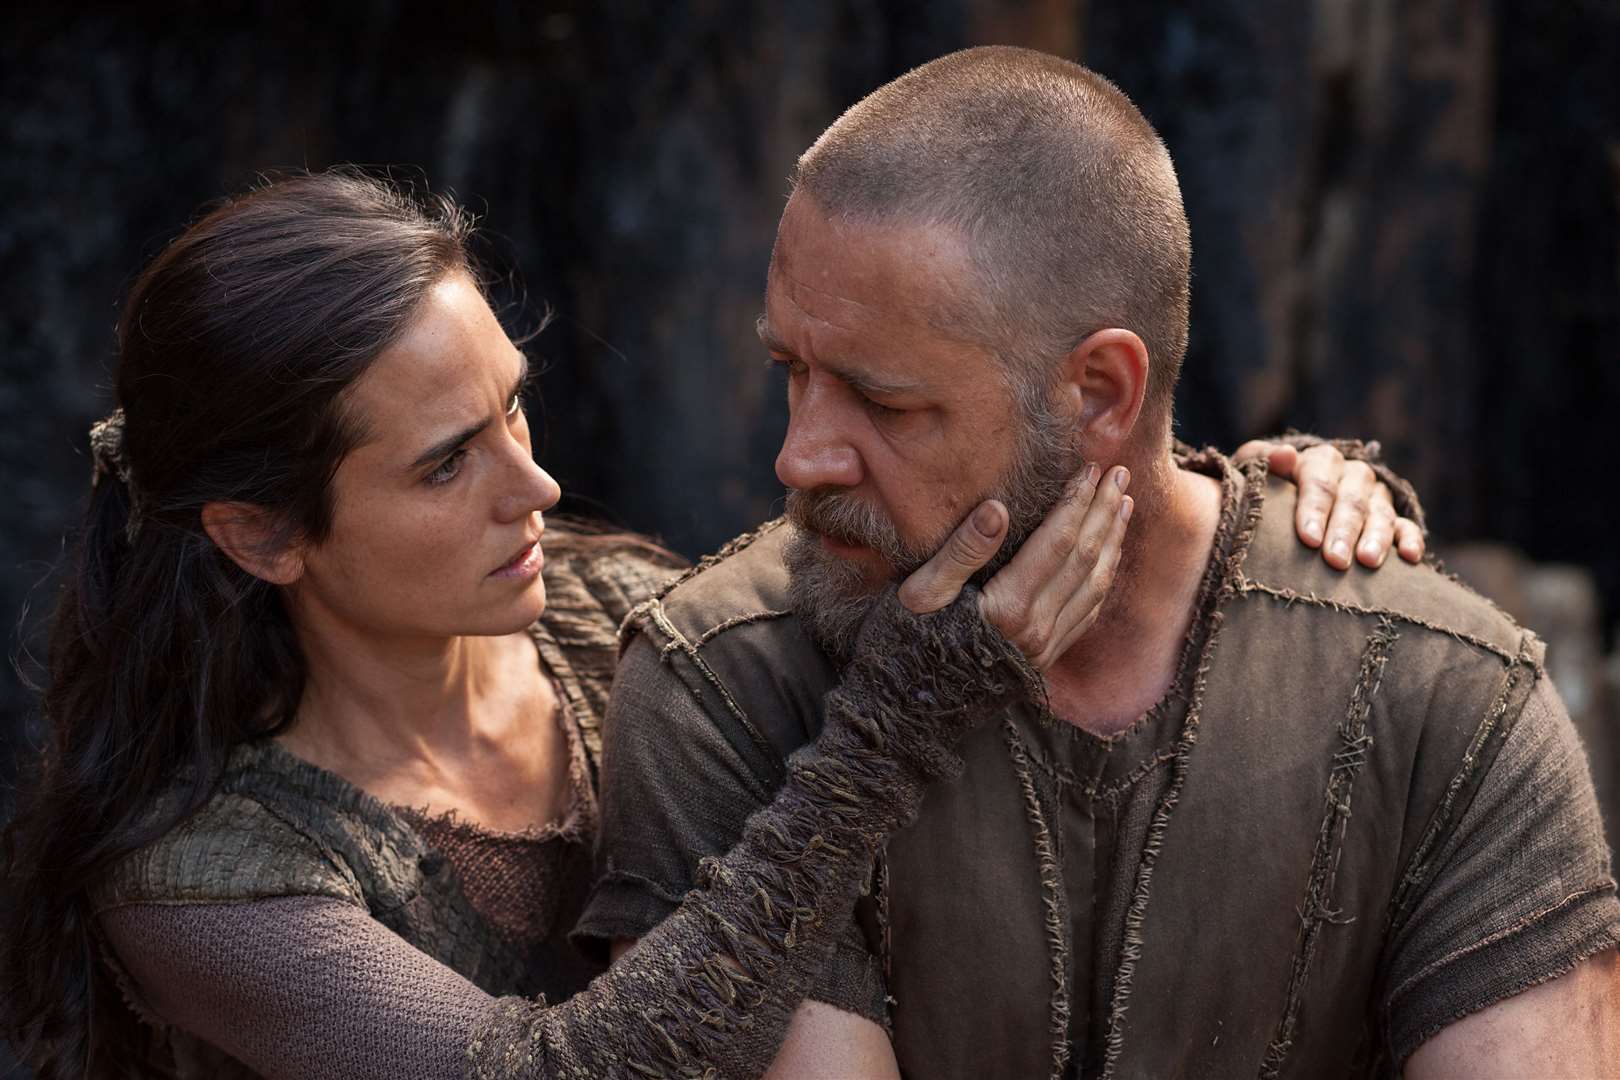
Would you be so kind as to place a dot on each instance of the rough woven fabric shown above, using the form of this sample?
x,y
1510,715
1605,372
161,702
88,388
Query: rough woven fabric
x,y
301,987
1237,885
527,884
312,986
710,990
279,826
530,885
1534,812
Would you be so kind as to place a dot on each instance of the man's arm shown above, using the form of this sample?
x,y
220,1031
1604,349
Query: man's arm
x,y
1507,965
1569,1027
825,1043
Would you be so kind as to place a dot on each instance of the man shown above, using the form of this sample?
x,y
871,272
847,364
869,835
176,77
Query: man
x,y
1280,821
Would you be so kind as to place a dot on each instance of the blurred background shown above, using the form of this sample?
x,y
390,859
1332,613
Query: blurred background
x,y
1405,215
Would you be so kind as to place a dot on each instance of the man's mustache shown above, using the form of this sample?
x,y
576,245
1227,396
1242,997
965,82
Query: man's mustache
x,y
844,518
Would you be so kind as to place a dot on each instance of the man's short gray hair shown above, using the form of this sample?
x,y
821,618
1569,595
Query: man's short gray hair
x,y
1063,191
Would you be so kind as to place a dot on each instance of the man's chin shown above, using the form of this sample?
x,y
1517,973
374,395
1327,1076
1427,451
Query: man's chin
x,y
832,586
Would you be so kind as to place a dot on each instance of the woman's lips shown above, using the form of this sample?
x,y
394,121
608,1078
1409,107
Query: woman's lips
x,y
525,564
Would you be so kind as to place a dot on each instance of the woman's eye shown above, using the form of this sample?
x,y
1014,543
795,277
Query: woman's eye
x,y
446,471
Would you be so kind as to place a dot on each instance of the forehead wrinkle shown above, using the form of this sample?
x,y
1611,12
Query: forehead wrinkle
x,y
855,376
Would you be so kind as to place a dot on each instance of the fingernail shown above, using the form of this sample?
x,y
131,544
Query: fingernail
x,y
1122,478
987,521
1369,549
1339,550
1092,472
1125,508
1313,529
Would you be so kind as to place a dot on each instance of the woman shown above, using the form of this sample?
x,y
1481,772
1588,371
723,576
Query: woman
x,y
319,789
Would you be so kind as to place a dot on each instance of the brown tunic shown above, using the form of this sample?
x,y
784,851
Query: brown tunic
x,y
1359,815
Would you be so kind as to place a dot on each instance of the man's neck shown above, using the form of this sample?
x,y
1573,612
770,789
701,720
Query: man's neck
x,y
1127,661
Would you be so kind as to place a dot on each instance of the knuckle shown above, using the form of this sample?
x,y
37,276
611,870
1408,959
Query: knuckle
x,y
1320,486
913,596
1090,550
1353,502
1034,643
965,554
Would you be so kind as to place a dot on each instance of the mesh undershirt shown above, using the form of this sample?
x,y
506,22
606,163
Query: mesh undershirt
x,y
331,992
306,988
530,885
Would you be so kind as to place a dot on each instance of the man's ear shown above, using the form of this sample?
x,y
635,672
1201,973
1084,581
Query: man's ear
x,y
1104,383
250,537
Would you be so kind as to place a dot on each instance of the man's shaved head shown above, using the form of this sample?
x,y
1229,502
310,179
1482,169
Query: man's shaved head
x,y
1063,190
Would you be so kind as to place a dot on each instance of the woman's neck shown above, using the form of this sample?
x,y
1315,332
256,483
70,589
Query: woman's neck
x,y
380,701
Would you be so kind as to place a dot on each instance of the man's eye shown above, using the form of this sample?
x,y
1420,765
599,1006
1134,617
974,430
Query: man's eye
x,y
785,366
446,471
514,406
880,409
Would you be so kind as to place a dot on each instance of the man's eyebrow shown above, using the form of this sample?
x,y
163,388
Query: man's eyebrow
x,y
762,327
862,381
445,447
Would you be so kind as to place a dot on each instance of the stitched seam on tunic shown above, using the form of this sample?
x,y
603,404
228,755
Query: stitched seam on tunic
x,y
1111,793
1291,596
726,550
1418,870
1136,915
1316,909
735,621
1051,893
680,641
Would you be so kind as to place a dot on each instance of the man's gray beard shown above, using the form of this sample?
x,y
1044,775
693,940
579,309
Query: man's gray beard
x,y
832,595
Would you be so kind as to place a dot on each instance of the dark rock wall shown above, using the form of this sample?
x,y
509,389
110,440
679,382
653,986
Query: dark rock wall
x,y
1404,217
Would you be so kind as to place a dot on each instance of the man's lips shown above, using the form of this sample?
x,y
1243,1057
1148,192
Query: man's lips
x,y
843,548
525,562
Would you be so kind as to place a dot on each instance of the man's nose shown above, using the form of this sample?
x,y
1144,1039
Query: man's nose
x,y
817,451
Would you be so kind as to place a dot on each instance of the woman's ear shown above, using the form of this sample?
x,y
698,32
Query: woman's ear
x,y
249,536
1105,383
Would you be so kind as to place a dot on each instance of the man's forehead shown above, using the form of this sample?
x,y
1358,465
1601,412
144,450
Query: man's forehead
x,y
914,276
861,368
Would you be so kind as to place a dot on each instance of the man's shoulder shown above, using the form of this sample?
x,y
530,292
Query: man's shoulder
x,y
594,579
743,582
1417,599
726,630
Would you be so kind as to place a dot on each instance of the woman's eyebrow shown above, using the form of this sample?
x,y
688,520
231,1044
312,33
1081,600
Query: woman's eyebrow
x,y
445,447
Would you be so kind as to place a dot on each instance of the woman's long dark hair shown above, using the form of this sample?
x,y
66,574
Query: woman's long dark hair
x,y
235,348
